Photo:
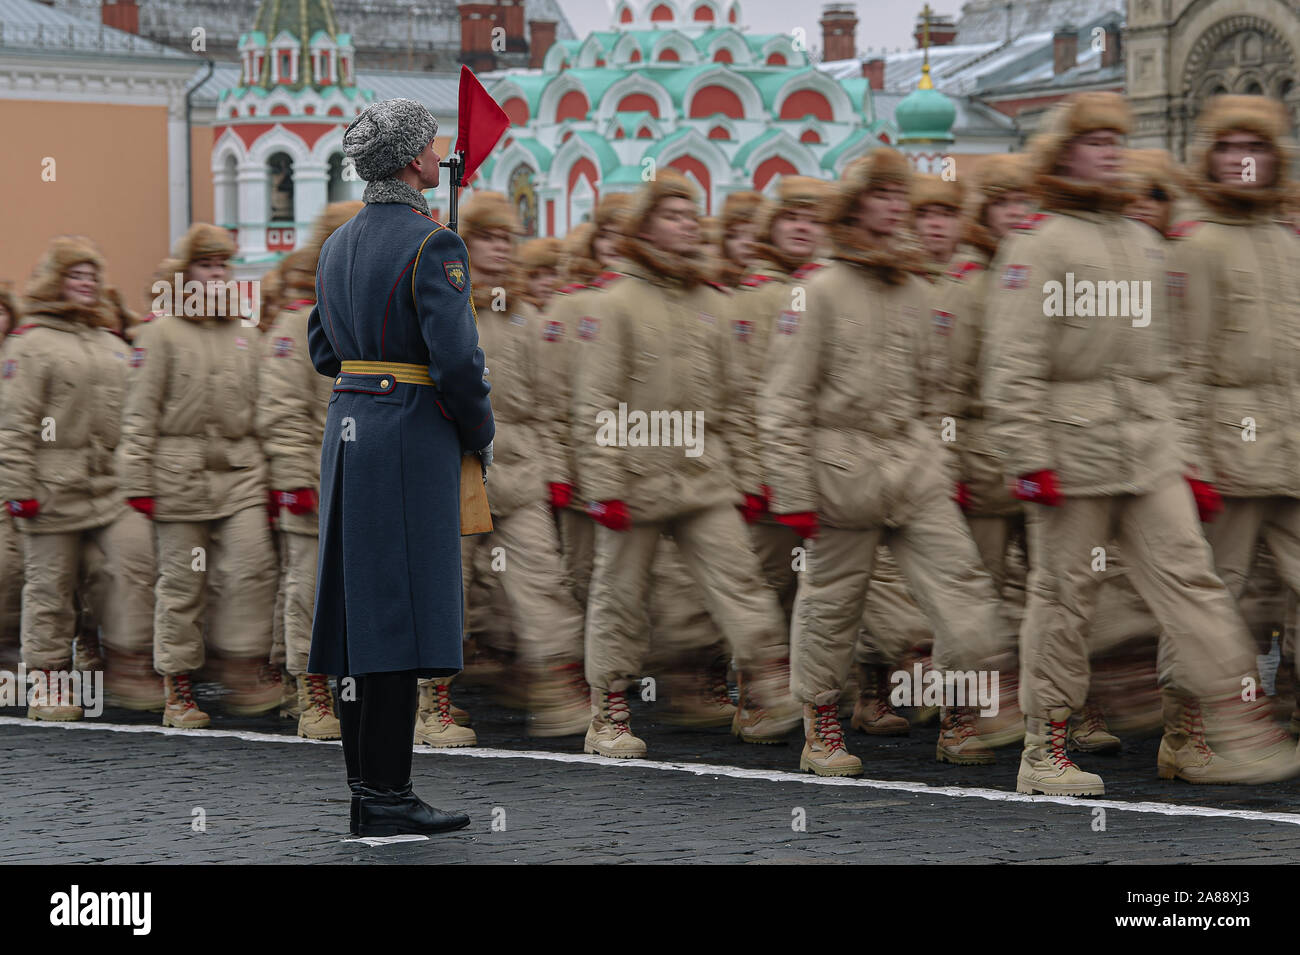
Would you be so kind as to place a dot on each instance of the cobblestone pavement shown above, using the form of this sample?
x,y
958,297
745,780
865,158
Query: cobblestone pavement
x,y
130,793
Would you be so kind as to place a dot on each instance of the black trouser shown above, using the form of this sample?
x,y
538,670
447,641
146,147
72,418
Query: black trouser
x,y
379,728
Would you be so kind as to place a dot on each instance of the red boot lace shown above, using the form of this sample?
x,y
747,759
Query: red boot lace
x,y
716,689
829,730
442,703
1091,720
619,712
963,721
1194,726
1056,734
573,676
184,691
318,692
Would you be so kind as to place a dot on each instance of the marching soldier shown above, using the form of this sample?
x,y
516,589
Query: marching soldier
x,y
936,219
1080,408
539,261
291,423
11,558
1235,283
529,413
854,462
64,378
658,338
1153,179
191,462
735,251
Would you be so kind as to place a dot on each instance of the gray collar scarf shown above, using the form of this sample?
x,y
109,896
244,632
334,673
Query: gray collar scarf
x,y
394,190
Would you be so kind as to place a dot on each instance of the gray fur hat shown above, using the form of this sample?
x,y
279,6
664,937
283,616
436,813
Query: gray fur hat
x,y
388,135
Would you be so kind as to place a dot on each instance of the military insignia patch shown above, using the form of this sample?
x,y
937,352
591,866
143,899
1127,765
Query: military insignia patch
x,y
942,321
744,329
1176,283
137,357
9,367
587,328
241,342
1015,276
787,323
554,331
283,347
455,270
706,318
517,319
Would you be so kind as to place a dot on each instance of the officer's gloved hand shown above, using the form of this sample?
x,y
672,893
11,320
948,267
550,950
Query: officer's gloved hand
x,y
803,523
561,494
301,501
611,514
1208,501
1039,487
142,504
27,508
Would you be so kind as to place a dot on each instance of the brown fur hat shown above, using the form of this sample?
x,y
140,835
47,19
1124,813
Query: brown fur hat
x,y
544,253
331,217
1079,114
883,164
612,210
739,208
929,190
792,192
65,251
580,263
10,301
1265,117
486,211
667,184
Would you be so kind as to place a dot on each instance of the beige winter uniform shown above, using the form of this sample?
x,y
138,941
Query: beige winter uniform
x,y
653,343
1092,398
189,442
1235,288
845,434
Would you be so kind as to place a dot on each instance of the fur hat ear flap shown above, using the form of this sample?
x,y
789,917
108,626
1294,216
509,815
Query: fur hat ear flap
x,y
612,211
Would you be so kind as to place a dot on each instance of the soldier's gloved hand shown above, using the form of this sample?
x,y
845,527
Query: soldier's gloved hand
x,y
961,494
754,507
28,508
1039,487
142,504
485,455
766,491
1208,501
611,514
301,501
561,494
803,523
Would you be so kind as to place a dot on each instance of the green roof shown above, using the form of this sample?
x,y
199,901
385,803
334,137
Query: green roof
x,y
301,18
743,153
631,174
531,85
662,144
630,123
848,142
604,152
540,152
595,81
925,116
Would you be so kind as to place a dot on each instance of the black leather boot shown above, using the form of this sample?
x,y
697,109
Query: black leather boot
x,y
395,812
354,813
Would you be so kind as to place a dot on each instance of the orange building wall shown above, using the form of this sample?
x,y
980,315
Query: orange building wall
x,y
111,184
201,166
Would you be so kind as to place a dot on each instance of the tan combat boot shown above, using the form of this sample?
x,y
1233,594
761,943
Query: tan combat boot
x,y
701,699
131,682
48,701
1088,731
1007,726
1247,743
89,653
959,744
560,701
1184,752
435,724
292,703
766,712
1044,767
316,716
181,711
610,732
873,714
255,686
824,752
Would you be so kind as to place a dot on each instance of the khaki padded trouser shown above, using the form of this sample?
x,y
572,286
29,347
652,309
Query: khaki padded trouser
x,y
11,581
679,624
578,550
228,590
1235,535
107,569
297,600
715,551
941,569
543,615
1204,647
774,545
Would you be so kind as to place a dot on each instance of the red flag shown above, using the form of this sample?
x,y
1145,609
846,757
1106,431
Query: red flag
x,y
480,125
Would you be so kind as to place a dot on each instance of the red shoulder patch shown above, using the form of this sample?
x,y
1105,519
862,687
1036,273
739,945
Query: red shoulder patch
x,y
804,271
22,328
606,278
1032,221
1184,229
755,280
963,269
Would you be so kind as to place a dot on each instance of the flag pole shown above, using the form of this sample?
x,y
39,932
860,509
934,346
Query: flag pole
x,y
455,164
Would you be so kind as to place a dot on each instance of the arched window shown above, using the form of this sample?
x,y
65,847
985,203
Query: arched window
x,y
668,55
723,55
279,178
337,190
661,14
776,59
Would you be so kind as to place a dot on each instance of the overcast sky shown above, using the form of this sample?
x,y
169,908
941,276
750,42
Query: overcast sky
x,y
887,23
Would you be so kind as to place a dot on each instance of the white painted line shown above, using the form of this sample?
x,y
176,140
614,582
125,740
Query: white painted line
x,y
373,841
702,769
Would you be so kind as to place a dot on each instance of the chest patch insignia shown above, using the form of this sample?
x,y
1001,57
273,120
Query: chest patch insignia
x,y
10,366
1177,283
554,331
1015,276
455,270
283,347
706,318
518,320
743,328
587,328
241,342
787,323
137,357
942,321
